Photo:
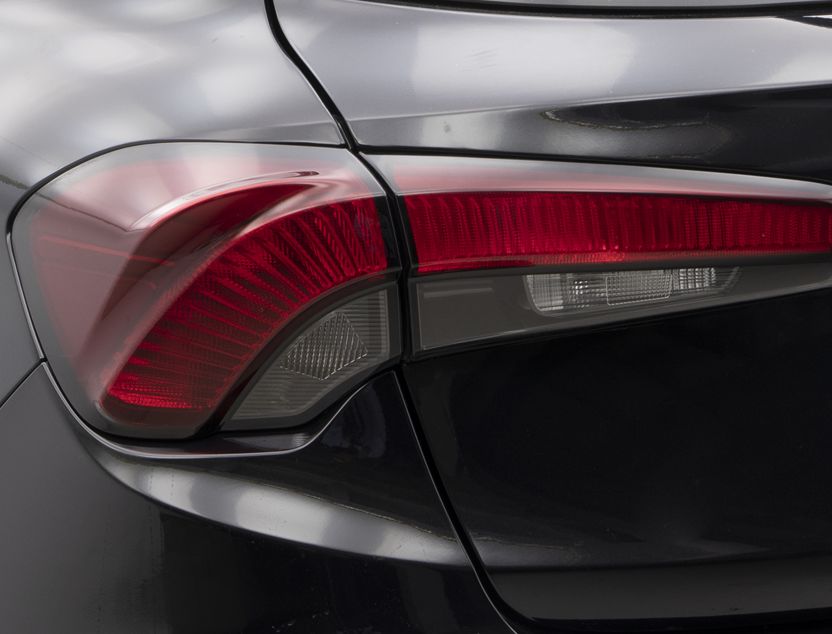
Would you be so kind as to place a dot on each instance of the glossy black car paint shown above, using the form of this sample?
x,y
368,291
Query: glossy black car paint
x,y
633,450
617,475
99,556
743,93
96,539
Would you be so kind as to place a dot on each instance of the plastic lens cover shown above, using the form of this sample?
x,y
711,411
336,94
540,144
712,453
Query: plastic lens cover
x,y
159,276
561,293
336,349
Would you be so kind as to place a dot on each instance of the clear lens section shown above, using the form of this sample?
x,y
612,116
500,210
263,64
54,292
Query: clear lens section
x,y
337,348
467,309
559,293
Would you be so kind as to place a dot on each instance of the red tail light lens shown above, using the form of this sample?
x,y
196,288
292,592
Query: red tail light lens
x,y
160,274
465,230
196,350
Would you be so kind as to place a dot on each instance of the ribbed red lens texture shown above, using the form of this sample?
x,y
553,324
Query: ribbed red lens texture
x,y
158,275
194,353
456,231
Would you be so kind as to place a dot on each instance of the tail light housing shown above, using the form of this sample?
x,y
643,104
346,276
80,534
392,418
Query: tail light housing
x,y
166,281
508,248
181,288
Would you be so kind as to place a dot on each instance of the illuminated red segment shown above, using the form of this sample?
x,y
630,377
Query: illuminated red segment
x,y
195,352
457,231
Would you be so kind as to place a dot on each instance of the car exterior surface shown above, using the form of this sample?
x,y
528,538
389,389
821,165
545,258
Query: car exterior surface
x,y
478,451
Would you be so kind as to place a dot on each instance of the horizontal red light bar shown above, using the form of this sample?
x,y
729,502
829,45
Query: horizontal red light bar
x,y
472,230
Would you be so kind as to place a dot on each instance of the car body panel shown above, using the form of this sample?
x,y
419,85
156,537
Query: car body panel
x,y
450,494
101,556
655,450
626,89
323,494
684,451
19,351
92,75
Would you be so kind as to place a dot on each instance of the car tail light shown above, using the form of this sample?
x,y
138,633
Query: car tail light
x,y
180,288
514,247
174,284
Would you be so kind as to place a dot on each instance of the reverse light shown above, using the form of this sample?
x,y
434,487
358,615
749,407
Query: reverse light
x,y
560,293
332,350
164,278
